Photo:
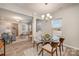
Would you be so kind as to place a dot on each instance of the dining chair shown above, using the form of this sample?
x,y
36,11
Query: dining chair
x,y
51,48
37,44
2,45
61,41
42,43
30,35
38,40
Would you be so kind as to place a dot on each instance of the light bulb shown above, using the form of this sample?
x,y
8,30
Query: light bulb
x,y
47,14
43,16
46,18
50,17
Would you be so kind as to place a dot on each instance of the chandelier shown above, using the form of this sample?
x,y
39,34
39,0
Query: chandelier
x,y
46,17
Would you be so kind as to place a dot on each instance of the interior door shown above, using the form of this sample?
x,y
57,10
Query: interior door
x,y
15,28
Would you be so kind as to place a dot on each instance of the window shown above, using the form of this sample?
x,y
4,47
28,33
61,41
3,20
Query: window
x,y
56,28
56,23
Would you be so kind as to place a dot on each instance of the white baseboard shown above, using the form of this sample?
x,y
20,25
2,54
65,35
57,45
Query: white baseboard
x,y
71,47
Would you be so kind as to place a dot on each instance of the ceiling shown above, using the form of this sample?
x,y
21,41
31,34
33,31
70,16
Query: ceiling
x,y
26,10
30,8
10,16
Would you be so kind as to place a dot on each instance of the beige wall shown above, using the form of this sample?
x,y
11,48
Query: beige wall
x,y
20,30
5,27
46,26
70,22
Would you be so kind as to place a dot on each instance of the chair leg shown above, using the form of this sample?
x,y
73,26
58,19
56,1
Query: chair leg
x,y
4,48
60,50
52,54
37,47
56,52
40,52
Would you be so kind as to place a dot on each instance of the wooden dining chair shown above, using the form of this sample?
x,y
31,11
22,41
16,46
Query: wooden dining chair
x,y
30,35
2,45
61,45
37,44
42,43
50,48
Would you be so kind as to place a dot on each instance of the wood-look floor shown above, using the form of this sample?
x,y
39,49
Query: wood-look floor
x,y
25,48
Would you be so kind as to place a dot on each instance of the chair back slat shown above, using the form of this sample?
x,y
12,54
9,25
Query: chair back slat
x,y
61,40
54,44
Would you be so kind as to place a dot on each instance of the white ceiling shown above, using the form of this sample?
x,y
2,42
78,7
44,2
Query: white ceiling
x,y
30,8
24,9
10,16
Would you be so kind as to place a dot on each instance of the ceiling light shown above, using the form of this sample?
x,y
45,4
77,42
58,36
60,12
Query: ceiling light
x,y
50,17
42,16
46,16
17,18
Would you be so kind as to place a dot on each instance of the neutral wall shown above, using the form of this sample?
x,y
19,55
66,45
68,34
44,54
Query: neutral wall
x,y
44,26
20,28
70,22
47,27
5,27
